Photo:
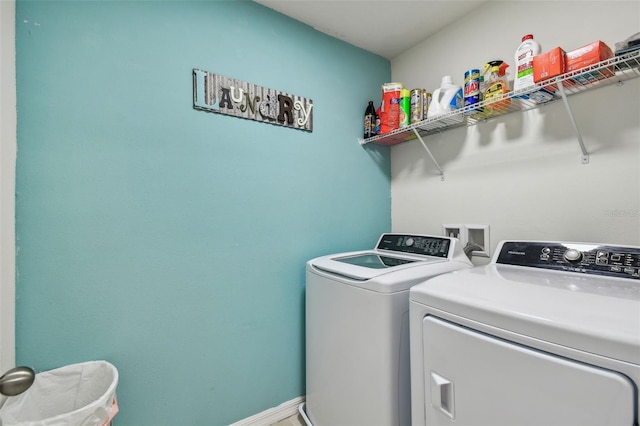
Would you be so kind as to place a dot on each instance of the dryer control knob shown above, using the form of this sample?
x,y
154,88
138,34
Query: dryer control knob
x,y
409,242
573,255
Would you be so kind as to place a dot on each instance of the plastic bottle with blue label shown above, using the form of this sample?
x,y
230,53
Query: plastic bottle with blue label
x,y
445,99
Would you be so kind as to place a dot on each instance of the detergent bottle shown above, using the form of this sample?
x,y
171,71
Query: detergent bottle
x,y
524,62
496,87
524,55
445,99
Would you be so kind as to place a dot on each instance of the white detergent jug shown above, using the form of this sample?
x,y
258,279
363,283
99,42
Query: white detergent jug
x,y
524,62
445,99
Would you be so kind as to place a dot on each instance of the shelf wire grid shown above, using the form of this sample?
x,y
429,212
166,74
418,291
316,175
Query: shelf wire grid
x,y
611,71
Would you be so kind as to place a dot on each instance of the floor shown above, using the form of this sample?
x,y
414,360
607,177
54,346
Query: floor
x,y
295,420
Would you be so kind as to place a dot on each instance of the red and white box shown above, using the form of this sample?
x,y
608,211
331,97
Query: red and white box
x,y
548,65
586,56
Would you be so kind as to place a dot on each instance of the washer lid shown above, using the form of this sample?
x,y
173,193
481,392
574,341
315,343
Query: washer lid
x,y
374,260
600,315
366,265
398,262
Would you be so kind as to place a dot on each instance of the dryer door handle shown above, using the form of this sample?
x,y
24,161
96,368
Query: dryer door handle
x,y
442,395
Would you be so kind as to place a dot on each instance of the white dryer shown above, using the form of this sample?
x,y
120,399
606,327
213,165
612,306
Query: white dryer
x,y
357,328
546,334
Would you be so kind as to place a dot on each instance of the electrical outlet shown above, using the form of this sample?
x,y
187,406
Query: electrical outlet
x,y
454,231
478,235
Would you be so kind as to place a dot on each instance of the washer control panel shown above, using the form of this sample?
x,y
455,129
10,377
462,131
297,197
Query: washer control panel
x,y
415,244
608,260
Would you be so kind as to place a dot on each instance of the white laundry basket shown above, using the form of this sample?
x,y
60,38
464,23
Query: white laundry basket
x,y
77,394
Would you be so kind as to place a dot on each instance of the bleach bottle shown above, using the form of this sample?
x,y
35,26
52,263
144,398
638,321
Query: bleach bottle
x,y
445,99
524,62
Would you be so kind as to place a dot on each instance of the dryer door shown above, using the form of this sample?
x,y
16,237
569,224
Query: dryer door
x,y
472,378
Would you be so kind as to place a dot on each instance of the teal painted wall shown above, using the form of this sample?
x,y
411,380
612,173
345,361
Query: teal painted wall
x,y
169,241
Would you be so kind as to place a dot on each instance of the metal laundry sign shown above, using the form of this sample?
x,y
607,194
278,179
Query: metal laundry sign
x,y
224,95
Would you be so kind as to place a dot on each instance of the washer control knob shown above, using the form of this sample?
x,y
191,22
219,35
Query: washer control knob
x,y
409,242
573,255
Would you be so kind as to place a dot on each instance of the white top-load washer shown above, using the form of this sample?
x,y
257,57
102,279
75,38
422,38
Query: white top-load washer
x,y
546,334
357,328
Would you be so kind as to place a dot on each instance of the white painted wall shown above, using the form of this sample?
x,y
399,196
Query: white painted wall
x,y
521,173
7,183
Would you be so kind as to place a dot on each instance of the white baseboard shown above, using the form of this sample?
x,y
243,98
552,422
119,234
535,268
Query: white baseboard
x,y
273,415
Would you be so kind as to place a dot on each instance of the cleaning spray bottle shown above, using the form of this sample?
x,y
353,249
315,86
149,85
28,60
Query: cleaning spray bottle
x,y
496,87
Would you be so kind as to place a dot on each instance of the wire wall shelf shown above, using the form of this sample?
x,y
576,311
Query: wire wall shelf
x,y
611,71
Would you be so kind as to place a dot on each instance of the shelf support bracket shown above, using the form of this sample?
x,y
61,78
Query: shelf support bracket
x,y
585,154
429,152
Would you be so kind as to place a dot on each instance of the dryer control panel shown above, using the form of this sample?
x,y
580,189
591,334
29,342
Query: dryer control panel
x,y
617,261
